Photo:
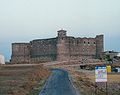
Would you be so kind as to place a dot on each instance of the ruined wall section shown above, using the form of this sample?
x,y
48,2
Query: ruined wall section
x,y
20,52
43,50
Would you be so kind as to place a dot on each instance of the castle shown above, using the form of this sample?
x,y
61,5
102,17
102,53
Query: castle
x,y
60,48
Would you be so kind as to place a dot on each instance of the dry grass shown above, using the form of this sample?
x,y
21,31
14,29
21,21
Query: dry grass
x,y
114,78
22,80
84,80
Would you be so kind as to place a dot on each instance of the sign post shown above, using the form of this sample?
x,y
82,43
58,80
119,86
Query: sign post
x,y
101,75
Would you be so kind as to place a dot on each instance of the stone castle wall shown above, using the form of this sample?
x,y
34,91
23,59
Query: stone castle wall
x,y
61,48
43,50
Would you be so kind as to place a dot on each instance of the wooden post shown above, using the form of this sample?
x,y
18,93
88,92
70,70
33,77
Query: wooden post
x,y
106,89
95,88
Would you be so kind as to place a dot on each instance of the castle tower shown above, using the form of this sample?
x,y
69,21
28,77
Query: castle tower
x,y
20,52
99,45
62,50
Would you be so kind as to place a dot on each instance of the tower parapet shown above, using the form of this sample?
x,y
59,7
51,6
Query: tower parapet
x,y
62,33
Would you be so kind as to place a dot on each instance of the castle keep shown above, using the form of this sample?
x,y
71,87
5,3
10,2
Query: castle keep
x,y
60,48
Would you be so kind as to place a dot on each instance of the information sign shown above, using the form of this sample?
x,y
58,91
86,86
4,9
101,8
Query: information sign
x,y
100,74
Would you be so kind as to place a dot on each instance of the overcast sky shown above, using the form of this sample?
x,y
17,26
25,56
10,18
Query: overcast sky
x,y
25,20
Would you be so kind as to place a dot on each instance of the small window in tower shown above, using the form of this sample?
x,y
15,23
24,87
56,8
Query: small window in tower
x,y
94,43
64,34
89,43
84,43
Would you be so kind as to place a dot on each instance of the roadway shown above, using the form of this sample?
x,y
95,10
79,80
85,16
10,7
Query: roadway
x,y
58,84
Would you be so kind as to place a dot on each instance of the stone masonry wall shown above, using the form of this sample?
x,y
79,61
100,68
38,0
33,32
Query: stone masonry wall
x,y
20,52
43,50
61,48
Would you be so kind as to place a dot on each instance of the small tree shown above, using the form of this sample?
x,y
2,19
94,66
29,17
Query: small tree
x,y
108,59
